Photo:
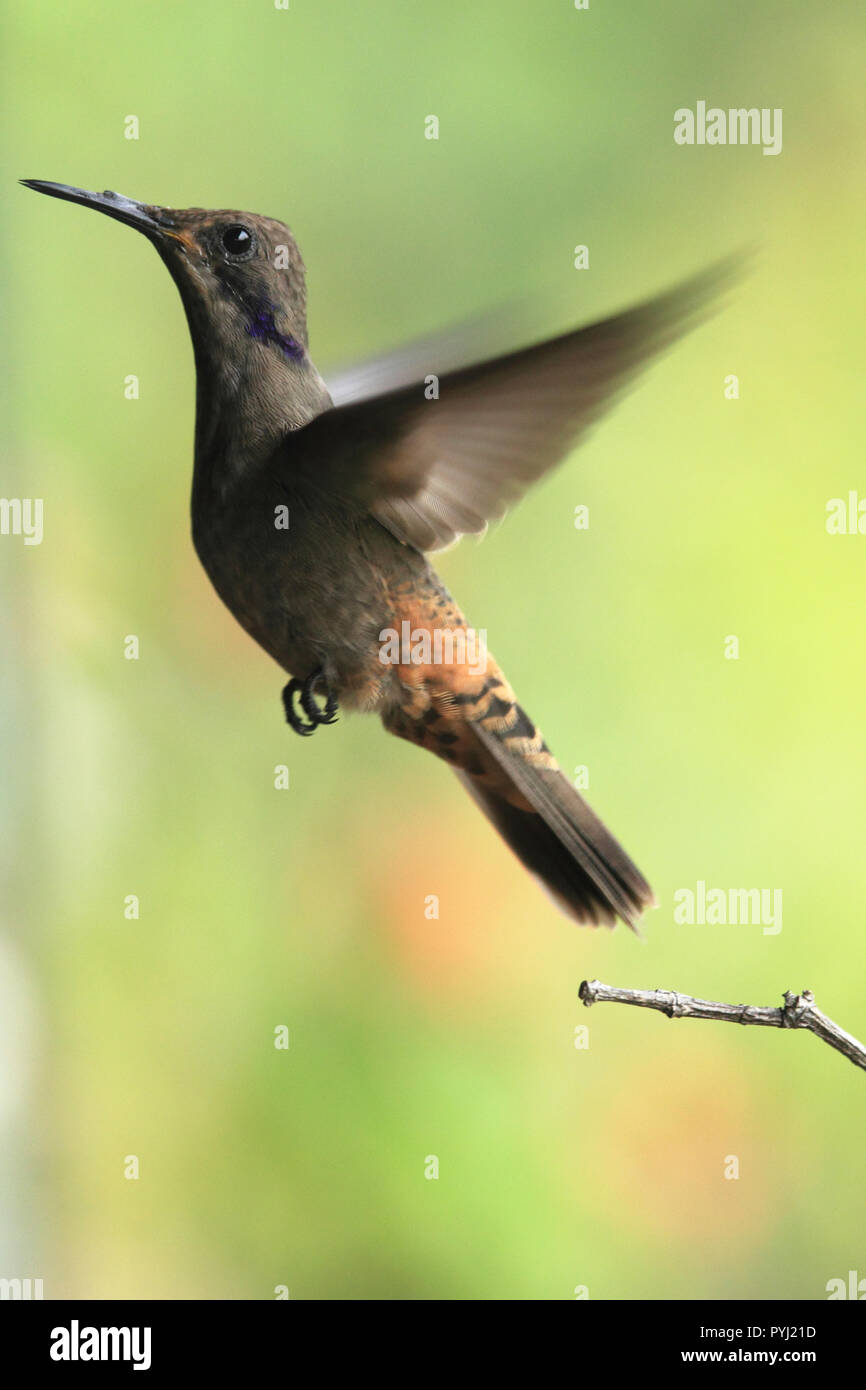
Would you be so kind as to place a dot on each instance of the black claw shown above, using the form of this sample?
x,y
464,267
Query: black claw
x,y
306,691
293,719
327,713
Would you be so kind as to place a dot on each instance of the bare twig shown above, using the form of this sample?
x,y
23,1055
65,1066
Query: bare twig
x,y
798,1011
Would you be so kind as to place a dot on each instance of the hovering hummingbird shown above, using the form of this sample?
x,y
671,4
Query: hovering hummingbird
x,y
314,520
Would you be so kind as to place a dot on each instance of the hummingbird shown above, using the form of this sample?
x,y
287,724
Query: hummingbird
x,y
314,515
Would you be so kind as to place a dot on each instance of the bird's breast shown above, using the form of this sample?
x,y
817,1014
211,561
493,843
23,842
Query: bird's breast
x,y
311,583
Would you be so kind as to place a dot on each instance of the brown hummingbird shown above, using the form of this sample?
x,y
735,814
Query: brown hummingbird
x,y
313,519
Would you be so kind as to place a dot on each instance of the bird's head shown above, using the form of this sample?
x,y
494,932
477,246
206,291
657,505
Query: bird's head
x,y
242,282
236,271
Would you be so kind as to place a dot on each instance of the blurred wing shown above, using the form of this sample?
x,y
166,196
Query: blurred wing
x,y
457,346
432,469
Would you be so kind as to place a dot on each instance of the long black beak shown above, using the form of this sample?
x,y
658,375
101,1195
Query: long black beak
x,y
145,217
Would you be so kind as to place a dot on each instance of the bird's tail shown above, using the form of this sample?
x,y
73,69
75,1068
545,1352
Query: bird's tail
x,y
503,761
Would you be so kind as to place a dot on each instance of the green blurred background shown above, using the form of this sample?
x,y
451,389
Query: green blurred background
x,y
558,1166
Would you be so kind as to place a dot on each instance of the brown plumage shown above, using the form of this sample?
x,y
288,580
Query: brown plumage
x,y
371,484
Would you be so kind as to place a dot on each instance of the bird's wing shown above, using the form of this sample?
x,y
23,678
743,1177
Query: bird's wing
x,y
433,469
473,339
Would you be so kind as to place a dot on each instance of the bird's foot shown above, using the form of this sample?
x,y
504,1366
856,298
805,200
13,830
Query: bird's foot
x,y
307,691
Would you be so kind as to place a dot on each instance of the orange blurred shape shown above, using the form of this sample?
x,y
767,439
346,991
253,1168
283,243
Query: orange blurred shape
x,y
669,1141
457,908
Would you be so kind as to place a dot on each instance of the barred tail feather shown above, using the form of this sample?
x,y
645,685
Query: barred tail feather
x,y
558,836
502,760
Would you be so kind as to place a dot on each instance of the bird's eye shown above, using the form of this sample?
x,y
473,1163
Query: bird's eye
x,y
238,242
